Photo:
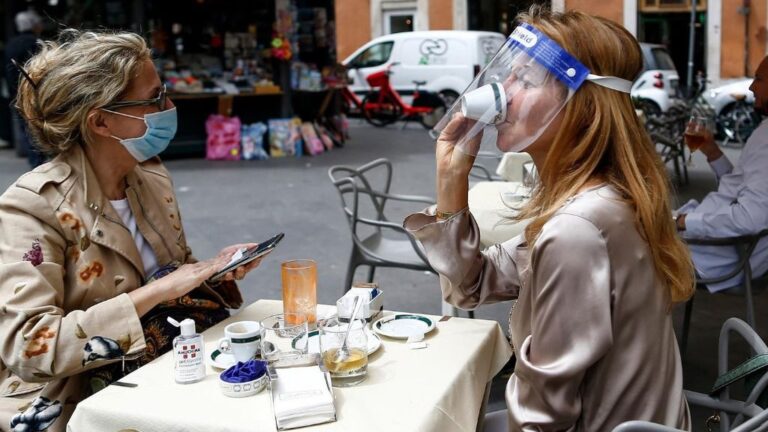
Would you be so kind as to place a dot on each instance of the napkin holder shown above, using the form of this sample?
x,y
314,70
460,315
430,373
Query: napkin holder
x,y
306,360
371,309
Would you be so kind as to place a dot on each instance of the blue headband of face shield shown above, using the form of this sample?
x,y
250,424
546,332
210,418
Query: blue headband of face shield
x,y
558,61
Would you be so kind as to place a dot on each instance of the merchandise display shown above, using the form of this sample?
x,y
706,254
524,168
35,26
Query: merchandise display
x,y
244,63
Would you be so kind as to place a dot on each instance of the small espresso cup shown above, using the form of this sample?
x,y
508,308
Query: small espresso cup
x,y
242,339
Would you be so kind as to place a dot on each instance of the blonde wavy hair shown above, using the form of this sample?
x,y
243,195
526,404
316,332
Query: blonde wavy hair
x,y
602,138
70,77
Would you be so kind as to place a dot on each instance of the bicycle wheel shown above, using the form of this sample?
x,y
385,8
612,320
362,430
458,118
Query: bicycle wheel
x,y
431,100
380,113
745,124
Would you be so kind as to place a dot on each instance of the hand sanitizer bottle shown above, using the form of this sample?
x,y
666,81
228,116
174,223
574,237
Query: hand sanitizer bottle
x,y
188,353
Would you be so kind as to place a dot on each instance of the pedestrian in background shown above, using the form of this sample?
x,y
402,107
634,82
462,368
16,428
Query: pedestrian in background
x,y
20,48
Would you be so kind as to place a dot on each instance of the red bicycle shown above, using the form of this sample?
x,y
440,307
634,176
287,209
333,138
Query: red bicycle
x,y
383,105
338,81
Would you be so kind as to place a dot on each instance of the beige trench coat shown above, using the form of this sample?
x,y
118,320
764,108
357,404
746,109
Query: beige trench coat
x,y
67,263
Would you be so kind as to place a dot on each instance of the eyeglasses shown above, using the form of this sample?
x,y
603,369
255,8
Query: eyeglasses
x,y
159,101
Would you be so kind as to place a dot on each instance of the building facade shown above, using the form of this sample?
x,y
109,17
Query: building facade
x,y
731,35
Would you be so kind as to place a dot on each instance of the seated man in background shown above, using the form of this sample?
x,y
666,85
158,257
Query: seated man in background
x,y
739,206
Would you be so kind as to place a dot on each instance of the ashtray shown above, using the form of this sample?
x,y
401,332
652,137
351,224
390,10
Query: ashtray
x,y
244,379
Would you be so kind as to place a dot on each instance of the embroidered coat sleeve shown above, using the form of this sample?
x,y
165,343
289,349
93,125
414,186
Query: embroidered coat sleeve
x,y
39,342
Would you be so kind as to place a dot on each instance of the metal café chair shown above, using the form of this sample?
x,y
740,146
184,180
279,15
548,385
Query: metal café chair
x,y
759,423
377,241
749,415
752,372
744,245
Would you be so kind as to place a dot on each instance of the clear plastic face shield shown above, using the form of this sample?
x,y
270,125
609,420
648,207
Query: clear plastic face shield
x,y
515,98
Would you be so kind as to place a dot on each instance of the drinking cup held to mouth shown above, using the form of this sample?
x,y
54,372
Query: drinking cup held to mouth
x,y
242,339
486,104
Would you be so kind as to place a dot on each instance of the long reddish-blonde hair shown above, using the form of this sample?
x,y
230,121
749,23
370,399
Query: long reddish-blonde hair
x,y
601,138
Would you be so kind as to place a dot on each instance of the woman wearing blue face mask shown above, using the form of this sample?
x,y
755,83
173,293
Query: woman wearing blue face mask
x,y
93,255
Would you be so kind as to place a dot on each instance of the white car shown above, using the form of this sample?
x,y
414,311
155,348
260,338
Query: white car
x,y
722,98
446,60
656,89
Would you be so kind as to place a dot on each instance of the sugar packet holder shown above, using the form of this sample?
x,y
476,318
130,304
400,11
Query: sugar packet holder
x,y
372,307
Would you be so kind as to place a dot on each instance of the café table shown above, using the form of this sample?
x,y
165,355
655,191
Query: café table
x,y
438,388
493,204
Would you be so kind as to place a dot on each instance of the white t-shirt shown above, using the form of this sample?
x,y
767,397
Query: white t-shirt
x,y
147,254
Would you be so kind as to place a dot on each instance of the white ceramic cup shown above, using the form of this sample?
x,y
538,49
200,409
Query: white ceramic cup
x,y
242,339
486,104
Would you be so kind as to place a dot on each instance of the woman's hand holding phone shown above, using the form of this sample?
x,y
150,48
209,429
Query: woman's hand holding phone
x,y
239,272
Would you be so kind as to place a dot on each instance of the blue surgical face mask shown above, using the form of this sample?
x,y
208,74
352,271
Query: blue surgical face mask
x,y
161,127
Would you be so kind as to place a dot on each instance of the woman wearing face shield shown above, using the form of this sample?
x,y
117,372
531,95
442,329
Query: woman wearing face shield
x,y
599,267
93,255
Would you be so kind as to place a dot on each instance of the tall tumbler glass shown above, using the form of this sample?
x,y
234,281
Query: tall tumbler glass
x,y
300,289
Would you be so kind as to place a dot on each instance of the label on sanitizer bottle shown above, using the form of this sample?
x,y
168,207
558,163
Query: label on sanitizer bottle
x,y
188,354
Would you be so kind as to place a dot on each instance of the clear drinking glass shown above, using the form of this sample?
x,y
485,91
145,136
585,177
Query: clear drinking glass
x,y
281,332
696,134
300,288
348,366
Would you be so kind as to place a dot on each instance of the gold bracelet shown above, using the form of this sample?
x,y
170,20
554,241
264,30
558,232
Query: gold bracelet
x,y
443,215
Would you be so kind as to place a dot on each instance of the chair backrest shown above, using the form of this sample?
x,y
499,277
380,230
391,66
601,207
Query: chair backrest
x,y
744,245
369,183
752,372
758,423
364,193
643,426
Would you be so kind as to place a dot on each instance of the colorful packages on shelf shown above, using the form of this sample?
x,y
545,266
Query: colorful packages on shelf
x,y
285,137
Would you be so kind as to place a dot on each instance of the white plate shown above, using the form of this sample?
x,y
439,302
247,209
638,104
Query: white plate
x,y
374,342
221,360
402,326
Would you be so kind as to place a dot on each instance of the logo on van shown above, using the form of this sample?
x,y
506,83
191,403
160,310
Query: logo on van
x,y
524,36
435,47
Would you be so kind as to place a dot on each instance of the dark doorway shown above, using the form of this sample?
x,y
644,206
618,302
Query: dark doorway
x,y
498,15
671,30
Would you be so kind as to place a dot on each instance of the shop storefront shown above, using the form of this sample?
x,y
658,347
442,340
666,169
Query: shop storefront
x,y
254,60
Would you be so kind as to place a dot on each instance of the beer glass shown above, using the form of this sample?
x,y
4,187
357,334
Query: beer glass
x,y
300,288
696,134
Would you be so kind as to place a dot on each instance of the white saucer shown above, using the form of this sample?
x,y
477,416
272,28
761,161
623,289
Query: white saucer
x,y
402,326
221,360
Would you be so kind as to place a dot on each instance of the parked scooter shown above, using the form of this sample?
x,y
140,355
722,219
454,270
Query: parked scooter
x,y
737,122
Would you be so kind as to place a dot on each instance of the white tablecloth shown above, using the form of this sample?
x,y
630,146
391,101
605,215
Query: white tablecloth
x,y
489,203
439,388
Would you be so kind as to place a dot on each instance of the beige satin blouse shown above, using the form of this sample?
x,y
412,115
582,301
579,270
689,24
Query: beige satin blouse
x,y
591,328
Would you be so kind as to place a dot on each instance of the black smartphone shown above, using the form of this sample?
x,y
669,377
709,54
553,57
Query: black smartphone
x,y
249,255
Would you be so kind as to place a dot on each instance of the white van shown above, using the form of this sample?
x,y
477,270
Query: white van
x,y
447,60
